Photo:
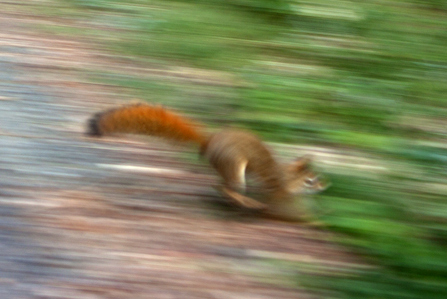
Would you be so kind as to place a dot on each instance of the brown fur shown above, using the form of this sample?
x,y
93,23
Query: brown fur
x,y
233,153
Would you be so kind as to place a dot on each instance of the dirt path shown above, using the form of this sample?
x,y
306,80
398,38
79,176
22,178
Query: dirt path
x,y
110,219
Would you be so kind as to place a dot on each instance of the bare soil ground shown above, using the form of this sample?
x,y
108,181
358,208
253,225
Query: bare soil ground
x,y
84,218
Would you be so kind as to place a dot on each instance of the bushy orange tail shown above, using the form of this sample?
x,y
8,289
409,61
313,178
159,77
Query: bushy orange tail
x,y
147,120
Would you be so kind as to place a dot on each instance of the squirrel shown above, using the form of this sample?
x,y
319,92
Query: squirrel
x,y
232,153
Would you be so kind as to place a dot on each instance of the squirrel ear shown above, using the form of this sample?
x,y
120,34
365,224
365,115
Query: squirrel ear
x,y
302,163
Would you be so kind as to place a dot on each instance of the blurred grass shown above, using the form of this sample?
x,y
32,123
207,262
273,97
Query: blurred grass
x,y
370,76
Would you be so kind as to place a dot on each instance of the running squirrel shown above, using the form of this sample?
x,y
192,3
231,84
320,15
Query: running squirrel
x,y
233,154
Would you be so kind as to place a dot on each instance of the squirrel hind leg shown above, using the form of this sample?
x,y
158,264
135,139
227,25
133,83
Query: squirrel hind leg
x,y
235,185
241,200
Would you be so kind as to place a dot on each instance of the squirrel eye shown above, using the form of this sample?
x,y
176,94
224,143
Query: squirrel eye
x,y
309,181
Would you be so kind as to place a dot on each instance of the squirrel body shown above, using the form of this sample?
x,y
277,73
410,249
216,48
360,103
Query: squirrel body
x,y
232,153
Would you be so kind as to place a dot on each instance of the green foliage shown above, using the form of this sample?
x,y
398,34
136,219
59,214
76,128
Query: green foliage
x,y
214,42
100,5
383,284
380,223
269,8
368,75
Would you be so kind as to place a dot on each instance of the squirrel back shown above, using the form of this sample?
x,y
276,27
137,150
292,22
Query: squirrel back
x,y
147,120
